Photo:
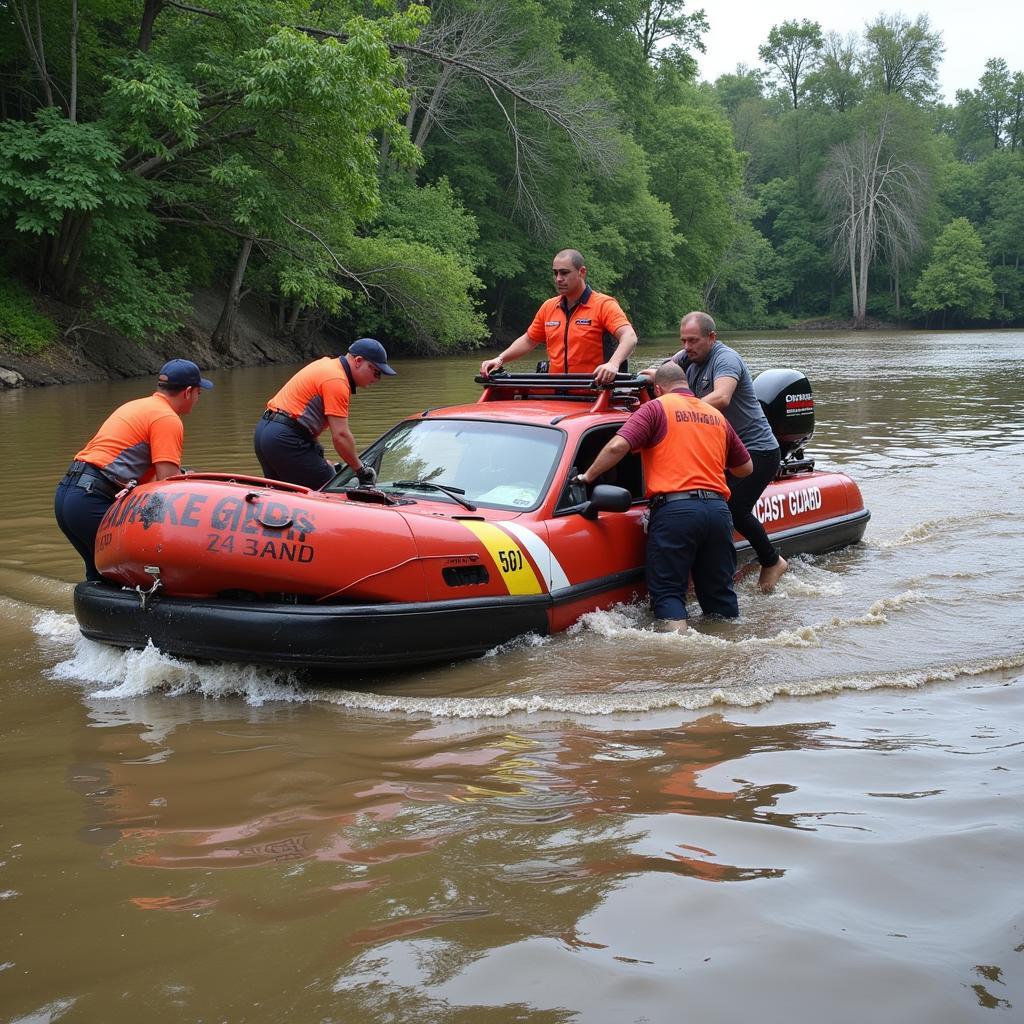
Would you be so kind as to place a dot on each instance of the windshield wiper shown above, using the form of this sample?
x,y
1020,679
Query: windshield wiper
x,y
453,492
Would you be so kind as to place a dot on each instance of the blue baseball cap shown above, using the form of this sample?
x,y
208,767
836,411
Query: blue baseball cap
x,y
182,373
373,352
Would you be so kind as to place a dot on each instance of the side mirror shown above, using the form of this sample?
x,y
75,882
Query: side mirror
x,y
607,498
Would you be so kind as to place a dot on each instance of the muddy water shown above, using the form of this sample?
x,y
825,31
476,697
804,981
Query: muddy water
x,y
816,811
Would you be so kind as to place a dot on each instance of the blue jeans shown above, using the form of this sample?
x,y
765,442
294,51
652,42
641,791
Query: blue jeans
x,y
79,513
692,535
286,454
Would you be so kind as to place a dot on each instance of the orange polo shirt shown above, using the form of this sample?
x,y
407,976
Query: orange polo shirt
x,y
134,437
321,389
577,337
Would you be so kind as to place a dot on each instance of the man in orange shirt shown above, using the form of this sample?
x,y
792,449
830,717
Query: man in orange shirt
x,y
315,398
139,441
685,447
585,331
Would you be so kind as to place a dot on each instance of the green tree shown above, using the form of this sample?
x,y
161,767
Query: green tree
x,y
749,276
792,51
902,57
836,82
655,21
202,125
994,111
794,228
957,279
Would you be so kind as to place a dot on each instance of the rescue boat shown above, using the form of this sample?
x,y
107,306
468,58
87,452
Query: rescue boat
x,y
473,534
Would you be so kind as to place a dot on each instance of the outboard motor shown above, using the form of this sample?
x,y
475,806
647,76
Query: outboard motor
x,y
785,396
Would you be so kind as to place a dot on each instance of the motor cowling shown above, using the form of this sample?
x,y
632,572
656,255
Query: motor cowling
x,y
785,396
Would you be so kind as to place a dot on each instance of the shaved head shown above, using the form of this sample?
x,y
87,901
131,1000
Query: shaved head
x,y
573,255
669,375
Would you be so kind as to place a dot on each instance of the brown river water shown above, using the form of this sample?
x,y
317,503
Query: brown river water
x,y
815,813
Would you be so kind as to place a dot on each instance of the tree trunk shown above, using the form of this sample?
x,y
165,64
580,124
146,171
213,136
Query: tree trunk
x,y
76,243
293,320
34,45
223,336
499,308
73,99
58,256
149,15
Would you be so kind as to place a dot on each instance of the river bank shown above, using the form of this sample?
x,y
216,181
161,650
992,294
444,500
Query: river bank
x,y
93,355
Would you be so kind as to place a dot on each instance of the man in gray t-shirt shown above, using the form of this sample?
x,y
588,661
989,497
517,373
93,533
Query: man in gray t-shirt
x,y
717,375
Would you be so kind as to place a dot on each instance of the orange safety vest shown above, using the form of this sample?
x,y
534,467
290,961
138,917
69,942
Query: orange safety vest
x,y
692,454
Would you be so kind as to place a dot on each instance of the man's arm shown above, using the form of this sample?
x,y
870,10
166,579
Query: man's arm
x,y
343,441
626,338
721,396
737,458
743,469
519,347
610,455
165,469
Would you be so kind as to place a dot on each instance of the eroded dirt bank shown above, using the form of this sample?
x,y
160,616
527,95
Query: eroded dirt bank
x,y
92,355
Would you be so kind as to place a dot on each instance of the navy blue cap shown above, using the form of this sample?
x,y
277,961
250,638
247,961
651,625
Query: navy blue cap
x,y
182,373
373,352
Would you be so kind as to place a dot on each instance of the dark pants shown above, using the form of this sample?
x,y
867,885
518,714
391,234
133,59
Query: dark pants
x,y
745,492
691,535
79,513
290,454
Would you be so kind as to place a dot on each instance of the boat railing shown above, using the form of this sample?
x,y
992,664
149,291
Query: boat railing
x,y
626,391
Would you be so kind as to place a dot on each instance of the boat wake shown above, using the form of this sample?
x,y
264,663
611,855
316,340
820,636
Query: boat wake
x,y
112,674
937,529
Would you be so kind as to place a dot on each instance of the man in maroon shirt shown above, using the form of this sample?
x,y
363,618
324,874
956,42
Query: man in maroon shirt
x,y
685,446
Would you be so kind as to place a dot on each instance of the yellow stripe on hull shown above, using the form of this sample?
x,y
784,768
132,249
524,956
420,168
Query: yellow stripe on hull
x,y
512,563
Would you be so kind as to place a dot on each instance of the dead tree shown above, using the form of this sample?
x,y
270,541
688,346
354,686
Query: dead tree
x,y
874,201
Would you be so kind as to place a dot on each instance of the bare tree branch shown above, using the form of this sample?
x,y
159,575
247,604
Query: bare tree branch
x,y
480,46
874,200
34,45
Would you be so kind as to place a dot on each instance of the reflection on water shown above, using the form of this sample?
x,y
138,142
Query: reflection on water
x,y
550,833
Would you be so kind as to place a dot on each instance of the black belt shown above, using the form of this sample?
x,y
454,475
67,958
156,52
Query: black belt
x,y
273,416
92,479
663,499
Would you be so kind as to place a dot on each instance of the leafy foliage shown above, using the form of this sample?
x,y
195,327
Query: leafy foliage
x,y
957,279
22,327
409,171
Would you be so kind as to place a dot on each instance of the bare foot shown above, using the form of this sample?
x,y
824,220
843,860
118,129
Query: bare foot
x,y
771,574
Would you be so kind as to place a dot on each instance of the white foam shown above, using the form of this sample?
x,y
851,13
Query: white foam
x,y
137,673
519,643
114,674
51,625
876,614
685,698
633,621
47,1014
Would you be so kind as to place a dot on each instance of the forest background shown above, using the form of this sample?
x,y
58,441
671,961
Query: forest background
x,y
389,169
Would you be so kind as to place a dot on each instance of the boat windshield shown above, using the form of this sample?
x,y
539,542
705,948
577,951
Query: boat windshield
x,y
498,465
